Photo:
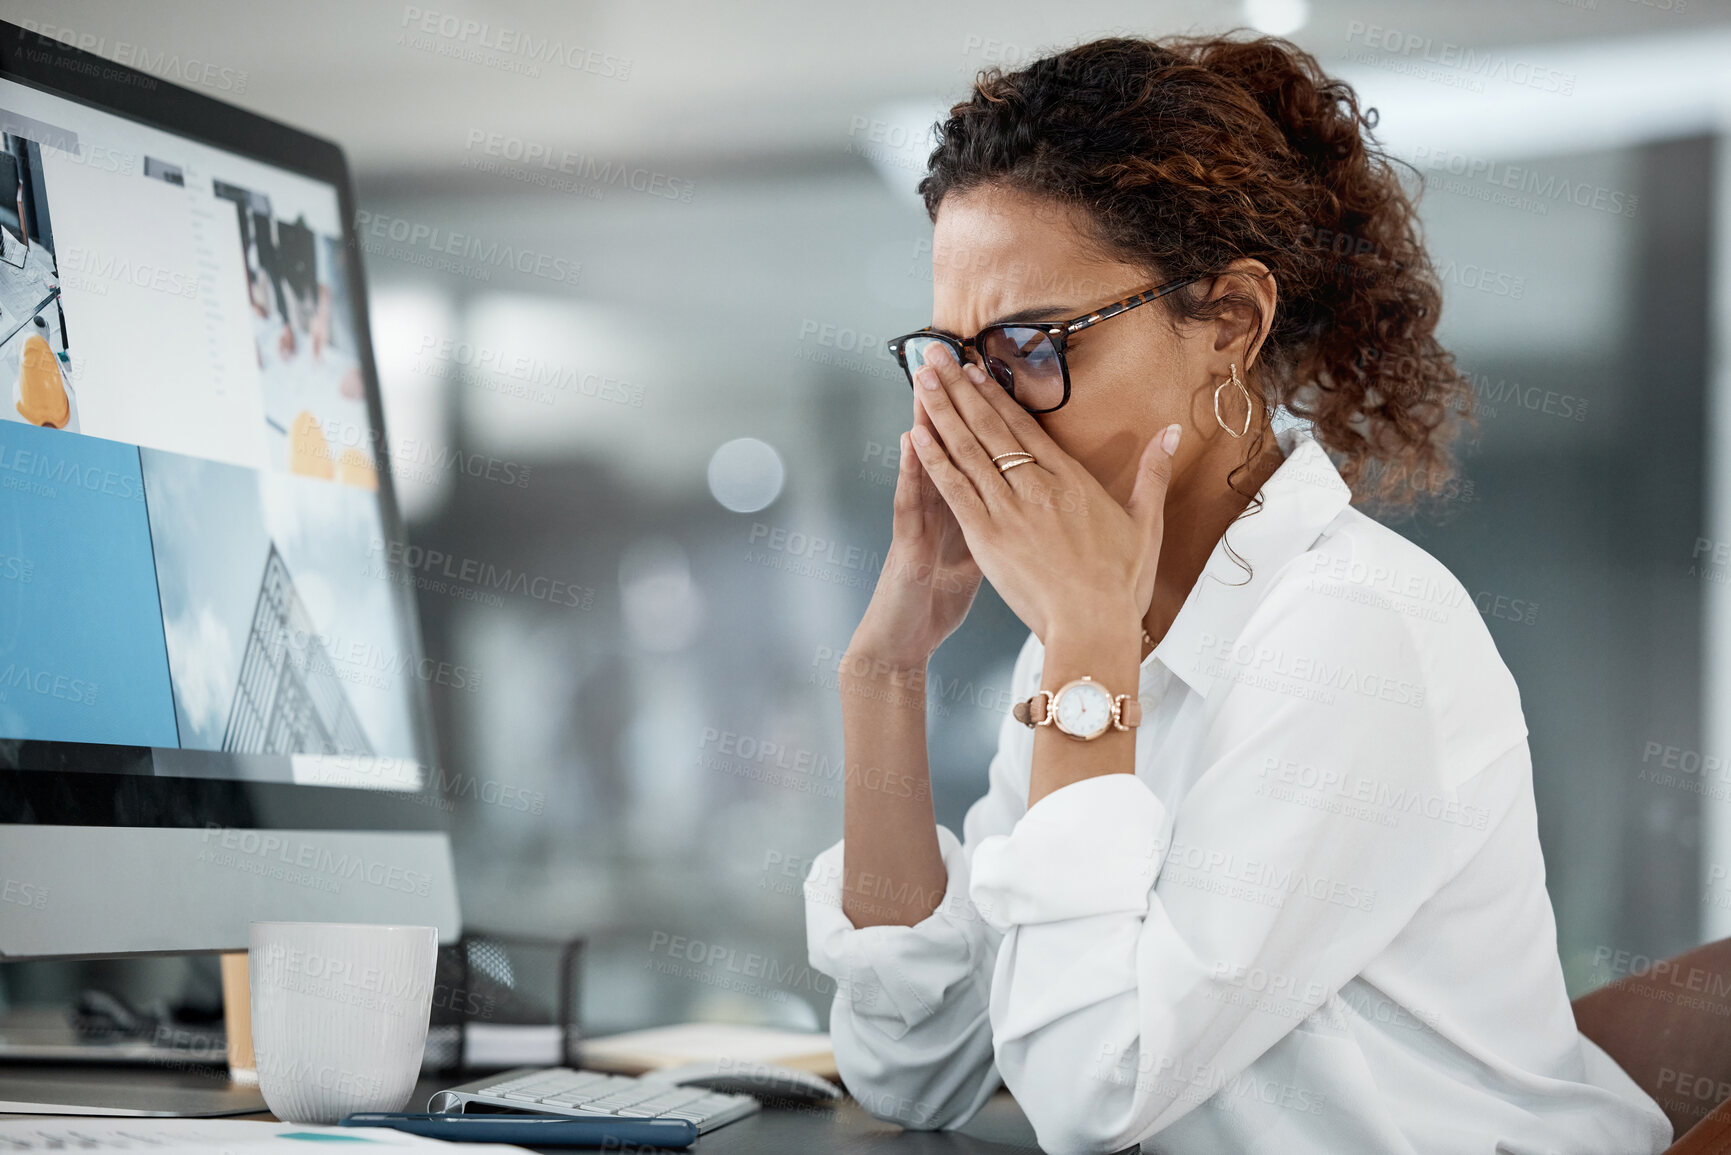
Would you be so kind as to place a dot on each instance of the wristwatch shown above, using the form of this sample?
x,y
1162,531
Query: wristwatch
x,y
1083,709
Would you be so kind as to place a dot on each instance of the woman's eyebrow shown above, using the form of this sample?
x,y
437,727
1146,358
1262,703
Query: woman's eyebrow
x,y
1037,313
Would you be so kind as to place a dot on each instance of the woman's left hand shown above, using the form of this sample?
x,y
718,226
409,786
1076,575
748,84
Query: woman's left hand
x,y
1054,544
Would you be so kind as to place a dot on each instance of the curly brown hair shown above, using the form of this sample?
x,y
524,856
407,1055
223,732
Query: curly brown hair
x,y
1188,153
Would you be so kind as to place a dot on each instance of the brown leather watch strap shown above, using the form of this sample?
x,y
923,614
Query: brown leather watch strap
x,y
1024,710
1128,714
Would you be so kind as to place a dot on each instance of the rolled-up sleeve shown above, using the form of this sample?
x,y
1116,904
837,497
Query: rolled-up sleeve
x,y
1044,872
909,1022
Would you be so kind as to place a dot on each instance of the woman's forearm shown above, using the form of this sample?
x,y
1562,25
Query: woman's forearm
x,y
892,869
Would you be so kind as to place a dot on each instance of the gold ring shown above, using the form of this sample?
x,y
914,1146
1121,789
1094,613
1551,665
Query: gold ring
x,y
1025,459
1012,453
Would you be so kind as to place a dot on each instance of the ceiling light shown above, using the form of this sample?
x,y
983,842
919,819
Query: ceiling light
x,y
1277,17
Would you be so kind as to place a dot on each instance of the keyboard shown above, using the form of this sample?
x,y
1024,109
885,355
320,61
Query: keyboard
x,y
563,1091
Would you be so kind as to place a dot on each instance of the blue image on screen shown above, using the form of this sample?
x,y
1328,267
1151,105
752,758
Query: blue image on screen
x,y
82,654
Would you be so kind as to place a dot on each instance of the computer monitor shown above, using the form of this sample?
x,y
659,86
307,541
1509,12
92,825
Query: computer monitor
x,y
212,708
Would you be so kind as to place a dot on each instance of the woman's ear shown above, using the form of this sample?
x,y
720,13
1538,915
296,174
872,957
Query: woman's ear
x,y
1243,299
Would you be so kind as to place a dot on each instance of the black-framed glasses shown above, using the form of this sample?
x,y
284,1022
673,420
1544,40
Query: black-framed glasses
x,y
1026,358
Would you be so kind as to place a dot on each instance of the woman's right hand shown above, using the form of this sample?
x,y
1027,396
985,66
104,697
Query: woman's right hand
x,y
929,578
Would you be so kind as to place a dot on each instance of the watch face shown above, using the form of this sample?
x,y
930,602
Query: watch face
x,y
1083,709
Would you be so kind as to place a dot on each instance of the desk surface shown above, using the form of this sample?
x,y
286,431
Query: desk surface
x,y
999,1129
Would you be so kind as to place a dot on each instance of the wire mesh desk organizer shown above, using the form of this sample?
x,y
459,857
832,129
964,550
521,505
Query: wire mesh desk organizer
x,y
504,1001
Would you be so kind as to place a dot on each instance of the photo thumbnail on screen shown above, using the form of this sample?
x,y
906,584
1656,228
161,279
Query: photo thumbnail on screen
x,y
297,284
35,359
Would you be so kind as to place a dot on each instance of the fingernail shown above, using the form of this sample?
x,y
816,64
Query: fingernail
x,y
1169,439
921,436
975,373
927,377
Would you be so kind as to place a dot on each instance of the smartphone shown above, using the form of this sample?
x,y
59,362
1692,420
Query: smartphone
x,y
536,1130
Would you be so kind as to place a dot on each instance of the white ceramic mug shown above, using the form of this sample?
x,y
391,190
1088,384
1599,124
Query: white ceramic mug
x,y
339,1015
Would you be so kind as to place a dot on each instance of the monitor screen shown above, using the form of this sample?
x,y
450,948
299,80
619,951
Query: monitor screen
x,y
193,533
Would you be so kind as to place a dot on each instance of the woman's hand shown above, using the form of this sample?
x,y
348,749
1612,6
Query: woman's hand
x,y
1059,550
929,579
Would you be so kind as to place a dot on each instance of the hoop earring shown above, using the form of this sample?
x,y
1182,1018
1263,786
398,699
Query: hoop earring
x,y
1233,380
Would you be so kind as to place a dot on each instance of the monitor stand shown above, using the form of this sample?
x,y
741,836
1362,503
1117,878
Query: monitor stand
x,y
41,1089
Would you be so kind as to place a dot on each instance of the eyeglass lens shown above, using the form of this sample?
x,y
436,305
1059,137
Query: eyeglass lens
x,y
1021,358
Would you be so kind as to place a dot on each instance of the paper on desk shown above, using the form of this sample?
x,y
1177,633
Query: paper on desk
x,y
218,1137
639,1051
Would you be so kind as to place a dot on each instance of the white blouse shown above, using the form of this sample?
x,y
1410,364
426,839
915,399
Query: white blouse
x,y
1314,919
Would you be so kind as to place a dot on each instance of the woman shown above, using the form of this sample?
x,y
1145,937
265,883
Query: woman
x,y
1258,867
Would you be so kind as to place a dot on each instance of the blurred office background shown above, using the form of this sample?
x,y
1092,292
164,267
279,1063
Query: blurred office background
x,y
679,406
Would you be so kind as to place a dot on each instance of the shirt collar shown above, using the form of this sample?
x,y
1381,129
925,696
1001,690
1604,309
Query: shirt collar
x,y
1298,501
